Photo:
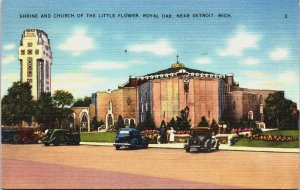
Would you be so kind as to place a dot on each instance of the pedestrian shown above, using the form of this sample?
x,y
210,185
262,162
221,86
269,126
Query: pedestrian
x,y
172,135
163,133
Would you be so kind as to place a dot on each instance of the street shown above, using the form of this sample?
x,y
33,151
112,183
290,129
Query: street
x,y
36,166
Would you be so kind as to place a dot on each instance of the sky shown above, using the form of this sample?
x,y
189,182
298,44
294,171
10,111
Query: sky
x,y
257,41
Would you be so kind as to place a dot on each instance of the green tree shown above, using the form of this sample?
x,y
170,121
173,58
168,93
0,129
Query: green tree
x,y
85,102
120,123
101,122
62,102
203,122
17,105
279,113
131,124
148,124
183,123
45,111
95,123
172,123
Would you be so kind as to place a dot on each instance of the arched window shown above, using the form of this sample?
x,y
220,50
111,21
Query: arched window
x,y
109,105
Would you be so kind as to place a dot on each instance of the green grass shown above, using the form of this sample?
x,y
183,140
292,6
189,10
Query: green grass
x,y
261,143
98,137
294,133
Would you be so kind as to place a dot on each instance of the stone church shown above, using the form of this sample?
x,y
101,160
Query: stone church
x,y
163,94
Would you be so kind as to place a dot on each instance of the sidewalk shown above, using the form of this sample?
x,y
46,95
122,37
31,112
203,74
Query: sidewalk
x,y
222,147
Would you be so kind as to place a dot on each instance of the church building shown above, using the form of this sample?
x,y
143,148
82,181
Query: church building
x,y
163,94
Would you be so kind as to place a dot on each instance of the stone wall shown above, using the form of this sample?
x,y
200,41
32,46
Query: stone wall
x,y
124,103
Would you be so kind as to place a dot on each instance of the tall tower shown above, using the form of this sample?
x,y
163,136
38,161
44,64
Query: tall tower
x,y
35,59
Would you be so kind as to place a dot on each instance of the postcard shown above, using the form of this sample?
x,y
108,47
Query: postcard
x,y
108,94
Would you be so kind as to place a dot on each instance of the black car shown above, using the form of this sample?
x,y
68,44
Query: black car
x,y
61,136
130,138
202,139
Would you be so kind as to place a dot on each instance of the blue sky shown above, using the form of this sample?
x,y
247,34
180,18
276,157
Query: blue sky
x,y
258,43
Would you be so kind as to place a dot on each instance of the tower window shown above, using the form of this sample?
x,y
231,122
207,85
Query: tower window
x,y
233,105
208,114
29,52
29,80
37,52
29,44
29,74
29,60
22,52
47,69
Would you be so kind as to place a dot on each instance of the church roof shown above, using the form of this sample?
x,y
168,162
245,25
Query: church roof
x,y
177,69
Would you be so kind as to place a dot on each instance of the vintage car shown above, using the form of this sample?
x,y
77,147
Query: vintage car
x,y
9,136
130,138
202,139
61,136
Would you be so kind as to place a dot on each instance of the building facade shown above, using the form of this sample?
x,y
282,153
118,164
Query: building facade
x,y
163,94
35,57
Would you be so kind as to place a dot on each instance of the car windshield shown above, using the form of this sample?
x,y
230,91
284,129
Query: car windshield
x,y
123,133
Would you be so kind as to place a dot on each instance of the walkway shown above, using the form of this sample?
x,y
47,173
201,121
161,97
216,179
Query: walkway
x,y
222,147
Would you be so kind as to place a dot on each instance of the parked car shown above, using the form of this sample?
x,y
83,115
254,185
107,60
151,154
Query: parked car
x,y
202,139
9,136
130,138
61,136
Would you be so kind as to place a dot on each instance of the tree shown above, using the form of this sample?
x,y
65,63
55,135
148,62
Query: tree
x,y
120,123
95,123
148,124
82,102
279,112
203,122
45,112
172,123
131,124
17,105
183,123
62,100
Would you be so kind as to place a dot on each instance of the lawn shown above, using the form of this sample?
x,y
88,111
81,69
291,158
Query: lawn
x,y
98,137
261,143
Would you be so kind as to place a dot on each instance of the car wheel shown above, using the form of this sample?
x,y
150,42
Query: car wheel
x,y
46,144
218,147
16,139
118,147
188,150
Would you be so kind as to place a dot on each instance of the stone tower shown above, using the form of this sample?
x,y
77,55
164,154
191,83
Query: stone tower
x,y
35,57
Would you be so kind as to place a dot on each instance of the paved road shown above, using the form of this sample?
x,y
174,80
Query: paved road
x,y
36,166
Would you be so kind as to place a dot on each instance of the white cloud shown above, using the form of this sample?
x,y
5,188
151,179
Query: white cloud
x,y
8,47
251,62
78,43
239,43
161,48
79,84
8,59
105,65
288,77
256,74
204,61
279,54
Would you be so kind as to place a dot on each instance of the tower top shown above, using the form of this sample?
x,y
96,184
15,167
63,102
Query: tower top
x,y
177,64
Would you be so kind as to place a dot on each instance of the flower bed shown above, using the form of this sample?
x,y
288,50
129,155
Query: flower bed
x,y
183,132
276,138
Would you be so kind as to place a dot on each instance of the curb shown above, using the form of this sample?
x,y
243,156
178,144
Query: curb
x,y
222,147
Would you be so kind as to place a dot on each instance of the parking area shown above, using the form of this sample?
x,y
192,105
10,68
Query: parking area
x,y
37,166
